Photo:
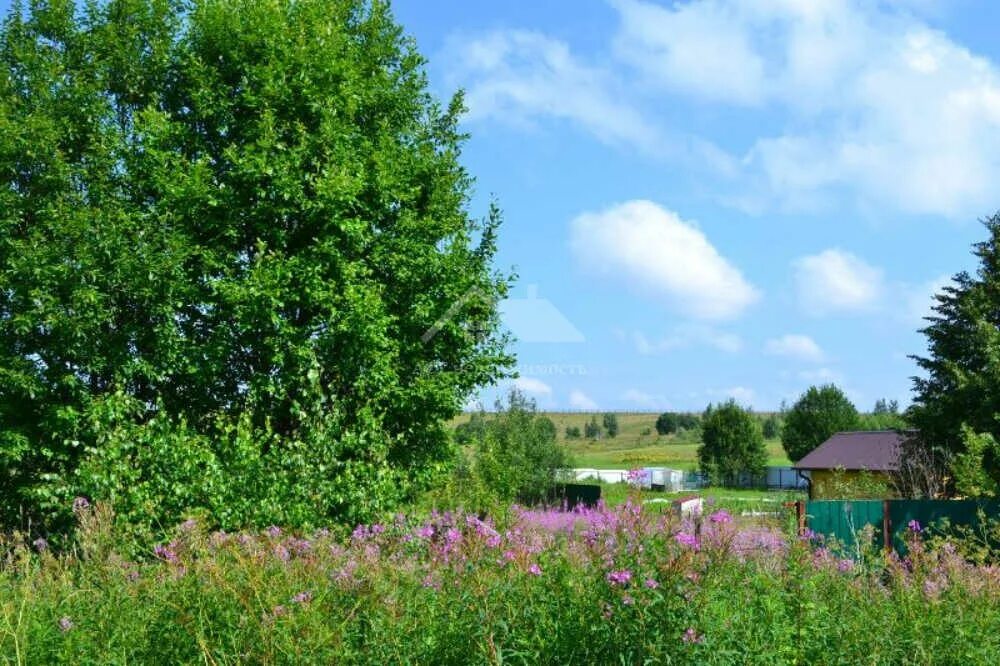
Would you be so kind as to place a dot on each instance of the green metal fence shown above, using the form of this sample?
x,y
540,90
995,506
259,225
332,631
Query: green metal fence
x,y
843,519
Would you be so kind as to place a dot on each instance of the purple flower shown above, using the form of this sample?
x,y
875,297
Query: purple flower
x,y
80,504
628,600
65,624
685,539
425,531
302,597
651,584
274,531
282,553
620,577
40,544
721,516
535,570
691,636
189,525
914,526
845,565
165,553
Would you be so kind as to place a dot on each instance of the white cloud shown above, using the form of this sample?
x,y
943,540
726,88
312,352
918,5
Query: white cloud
x,y
835,281
516,76
654,249
645,400
580,400
532,386
800,347
873,100
686,336
821,376
741,394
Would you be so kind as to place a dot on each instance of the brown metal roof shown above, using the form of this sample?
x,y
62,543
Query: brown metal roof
x,y
876,450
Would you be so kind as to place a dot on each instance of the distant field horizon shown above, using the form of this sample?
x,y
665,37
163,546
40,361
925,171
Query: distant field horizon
x,y
637,443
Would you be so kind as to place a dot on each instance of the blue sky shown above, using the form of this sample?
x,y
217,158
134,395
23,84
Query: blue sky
x,y
723,198
718,198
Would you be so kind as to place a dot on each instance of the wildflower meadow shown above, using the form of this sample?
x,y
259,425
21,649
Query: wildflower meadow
x,y
625,584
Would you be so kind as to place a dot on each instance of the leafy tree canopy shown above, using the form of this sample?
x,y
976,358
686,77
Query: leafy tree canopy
x,y
732,442
230,232
818,414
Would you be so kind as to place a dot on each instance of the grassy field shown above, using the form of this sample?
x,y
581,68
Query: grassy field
x,y
637,443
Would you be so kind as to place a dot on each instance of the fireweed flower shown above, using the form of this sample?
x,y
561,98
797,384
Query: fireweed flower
x,y
914,526
165,553
845,565
274,531
621,577
691,636
65,624
80,504
628,600
189,525
535,570
302,597
651,584
40,544
685,539
721,516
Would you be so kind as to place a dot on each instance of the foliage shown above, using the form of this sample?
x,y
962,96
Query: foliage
x,y
857,484
573,432
771,426
732,442
666,423
610,421
671,422
592,430
605,586
960,385
971,477
472,430
229,232
516,456
816,415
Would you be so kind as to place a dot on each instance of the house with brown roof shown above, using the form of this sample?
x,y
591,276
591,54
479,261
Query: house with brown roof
x,y
854,464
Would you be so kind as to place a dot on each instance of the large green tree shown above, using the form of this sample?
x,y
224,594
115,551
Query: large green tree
x,y
237,268
732,442
819,413
957,405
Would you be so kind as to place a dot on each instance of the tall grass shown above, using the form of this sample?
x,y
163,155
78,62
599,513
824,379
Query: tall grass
x,y
611,585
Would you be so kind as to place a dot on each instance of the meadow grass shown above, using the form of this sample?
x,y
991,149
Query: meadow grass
x,y
622,585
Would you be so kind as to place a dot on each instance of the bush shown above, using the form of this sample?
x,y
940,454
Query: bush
x,y
666,423
593,429
573,432
611,424
515,457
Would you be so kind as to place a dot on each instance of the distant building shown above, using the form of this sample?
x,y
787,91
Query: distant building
x,y
853,464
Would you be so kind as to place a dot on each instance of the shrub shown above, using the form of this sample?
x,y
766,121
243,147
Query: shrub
x,y
592,430
611,424
573,432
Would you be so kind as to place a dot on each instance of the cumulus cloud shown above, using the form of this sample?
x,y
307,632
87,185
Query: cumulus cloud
x,y
532,386
654,249
800,347
875,101
580,400
835,281
520,75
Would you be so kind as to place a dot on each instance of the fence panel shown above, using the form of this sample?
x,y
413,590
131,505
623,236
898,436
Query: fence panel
x,y
932,513
842,519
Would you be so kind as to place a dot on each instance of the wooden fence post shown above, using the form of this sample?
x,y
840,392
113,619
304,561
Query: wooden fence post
x,y
886,526
800,514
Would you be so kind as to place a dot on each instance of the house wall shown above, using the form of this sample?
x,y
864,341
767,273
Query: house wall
x,y
850,484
